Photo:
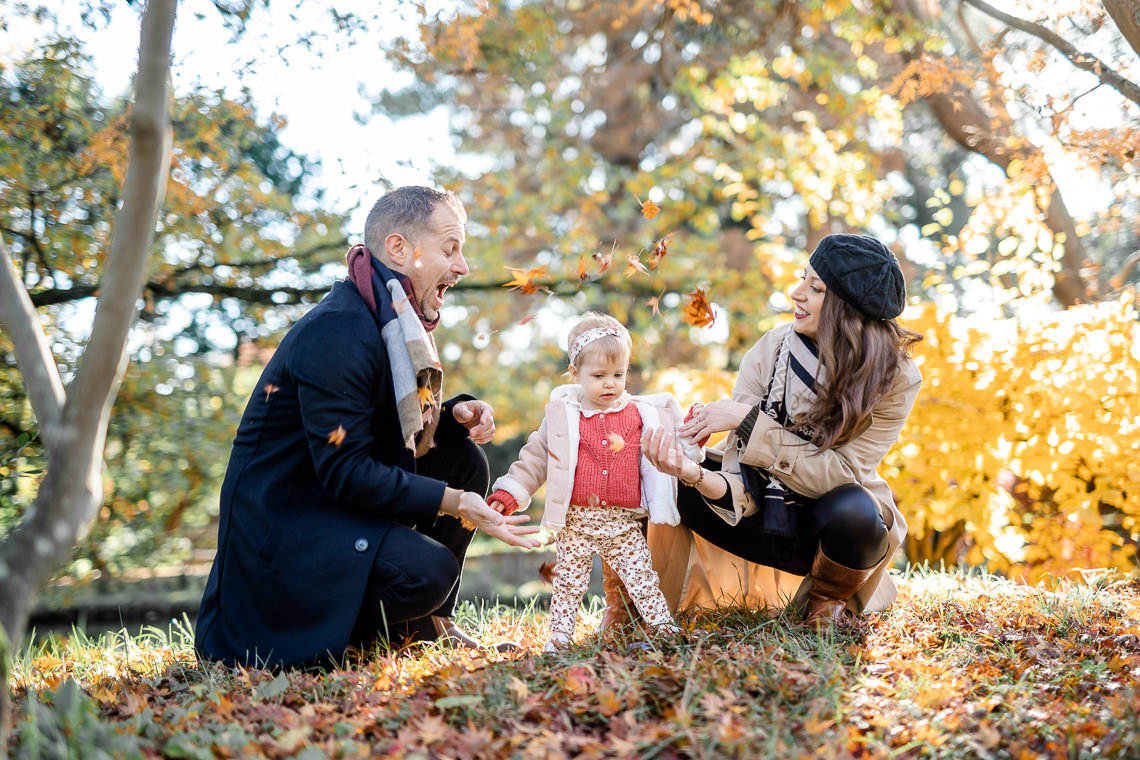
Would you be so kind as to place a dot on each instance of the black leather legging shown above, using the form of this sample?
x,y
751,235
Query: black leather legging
x,y
845,523
417,570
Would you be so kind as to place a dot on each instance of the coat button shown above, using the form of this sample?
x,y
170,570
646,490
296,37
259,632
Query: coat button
x,y
362,544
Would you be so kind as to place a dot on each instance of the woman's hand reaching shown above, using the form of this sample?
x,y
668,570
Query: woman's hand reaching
x,y
717,417
665,453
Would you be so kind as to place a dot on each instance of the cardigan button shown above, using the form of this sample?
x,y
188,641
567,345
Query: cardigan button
x,y
361,544
605,472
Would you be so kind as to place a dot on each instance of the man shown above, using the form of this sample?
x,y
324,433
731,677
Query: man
x,y
352,489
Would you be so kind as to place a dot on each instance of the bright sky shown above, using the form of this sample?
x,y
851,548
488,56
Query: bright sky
x,y
320,95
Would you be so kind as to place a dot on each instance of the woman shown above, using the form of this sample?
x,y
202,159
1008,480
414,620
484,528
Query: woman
x,y
817,405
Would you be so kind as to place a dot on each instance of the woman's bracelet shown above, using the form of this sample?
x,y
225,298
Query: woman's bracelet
x,y
695,483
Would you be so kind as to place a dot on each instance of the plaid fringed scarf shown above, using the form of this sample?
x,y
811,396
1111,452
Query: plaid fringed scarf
x,y
417,376
792,390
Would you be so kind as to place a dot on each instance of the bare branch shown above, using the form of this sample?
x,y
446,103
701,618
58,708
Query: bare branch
x,y
33,355
1084,61
1126,269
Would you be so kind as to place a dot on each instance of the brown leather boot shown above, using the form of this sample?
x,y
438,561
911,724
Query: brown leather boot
x,y
448,631
619,611
832,585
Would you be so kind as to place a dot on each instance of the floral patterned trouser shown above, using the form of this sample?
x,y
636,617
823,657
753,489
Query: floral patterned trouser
x,y
614,533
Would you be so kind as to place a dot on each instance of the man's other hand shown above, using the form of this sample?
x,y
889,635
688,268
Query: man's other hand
x,y
508,529
477,417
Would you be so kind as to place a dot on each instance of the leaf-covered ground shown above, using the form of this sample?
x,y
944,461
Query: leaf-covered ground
x,y
962,666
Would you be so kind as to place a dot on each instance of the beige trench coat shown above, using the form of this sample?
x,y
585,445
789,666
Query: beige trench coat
x,y
696,574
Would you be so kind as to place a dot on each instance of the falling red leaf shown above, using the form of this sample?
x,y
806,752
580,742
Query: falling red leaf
x,y
546,572
336,437
604,259
698,312
524,320
270,389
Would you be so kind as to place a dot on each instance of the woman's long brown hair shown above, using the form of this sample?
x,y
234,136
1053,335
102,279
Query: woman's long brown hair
x,y
863,357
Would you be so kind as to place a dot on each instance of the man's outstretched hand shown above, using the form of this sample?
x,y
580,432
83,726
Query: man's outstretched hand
x,y
477,417
508,529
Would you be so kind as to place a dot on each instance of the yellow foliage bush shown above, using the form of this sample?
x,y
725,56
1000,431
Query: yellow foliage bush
x,y
1022,453
1023,450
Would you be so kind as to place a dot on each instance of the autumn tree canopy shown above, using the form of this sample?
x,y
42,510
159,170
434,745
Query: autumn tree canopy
x,y
668,161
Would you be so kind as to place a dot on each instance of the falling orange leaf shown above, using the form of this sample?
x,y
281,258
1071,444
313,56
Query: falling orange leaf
x,y
270,389
659,251
416,253
617,443
634,266
524,279
582,273
698,311
649,209
592,500
655,304
336,437
427,400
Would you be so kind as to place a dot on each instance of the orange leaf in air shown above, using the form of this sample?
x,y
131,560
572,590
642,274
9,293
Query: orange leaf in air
x,y
524,279
336,437
582,273
592,500
655,304
660,250
649,209
634,266
270,389
617,443
698,311
426,399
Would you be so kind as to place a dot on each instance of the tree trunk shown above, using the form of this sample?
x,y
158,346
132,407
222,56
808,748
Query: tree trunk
x,y
72,488
1126,15
968,124
975,128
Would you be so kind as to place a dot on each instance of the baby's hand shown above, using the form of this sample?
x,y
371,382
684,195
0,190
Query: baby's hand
x,y
502,508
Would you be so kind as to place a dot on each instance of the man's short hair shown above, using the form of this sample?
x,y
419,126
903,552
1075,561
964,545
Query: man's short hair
x,y
407,211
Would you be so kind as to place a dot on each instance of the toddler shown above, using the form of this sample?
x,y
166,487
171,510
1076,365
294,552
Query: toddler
x,y
588,452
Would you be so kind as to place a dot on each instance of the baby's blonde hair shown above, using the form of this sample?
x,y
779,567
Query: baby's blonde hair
x,y
613,348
